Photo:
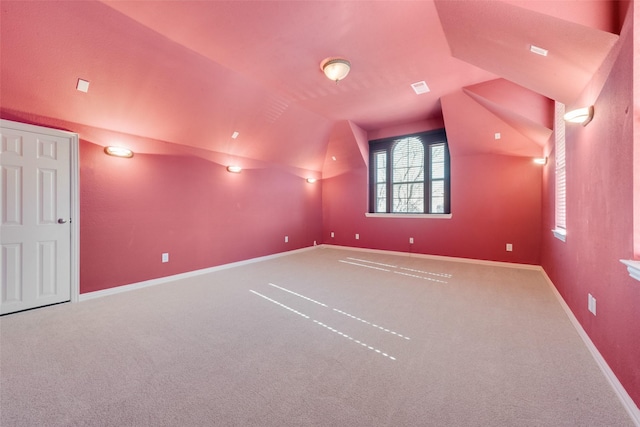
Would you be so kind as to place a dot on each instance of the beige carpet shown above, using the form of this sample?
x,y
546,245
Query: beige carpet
x,y
325,337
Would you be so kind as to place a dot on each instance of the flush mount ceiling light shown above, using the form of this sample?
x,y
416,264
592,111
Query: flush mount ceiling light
x,y
234,169
118,151
580,115
335,69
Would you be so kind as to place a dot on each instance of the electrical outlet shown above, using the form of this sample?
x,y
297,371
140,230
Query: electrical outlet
x,y
315,243
165,257
286,239
357,236
411,240
333,235
592,304
509,247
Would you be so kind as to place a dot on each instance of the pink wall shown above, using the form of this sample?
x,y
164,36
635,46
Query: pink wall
x,y
600,224
495,200
135,209
180,200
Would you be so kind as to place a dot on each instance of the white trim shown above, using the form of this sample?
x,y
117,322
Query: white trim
x,y
75,218
403,215
167,279
628,403
439,257
74,176
633,267
560,234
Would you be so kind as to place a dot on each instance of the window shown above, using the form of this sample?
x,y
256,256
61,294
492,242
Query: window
x,y
560,230
410,174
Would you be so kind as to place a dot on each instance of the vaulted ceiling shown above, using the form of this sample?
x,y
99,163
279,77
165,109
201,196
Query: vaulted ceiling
x,y
194,72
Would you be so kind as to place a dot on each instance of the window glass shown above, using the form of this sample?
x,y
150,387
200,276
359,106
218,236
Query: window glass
x,y
410,174
381,181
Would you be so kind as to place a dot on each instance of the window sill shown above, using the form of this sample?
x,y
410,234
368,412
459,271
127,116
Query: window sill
x,y
633,267
401,215
560,234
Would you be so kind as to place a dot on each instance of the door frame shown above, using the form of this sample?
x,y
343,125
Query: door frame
x,y
74,177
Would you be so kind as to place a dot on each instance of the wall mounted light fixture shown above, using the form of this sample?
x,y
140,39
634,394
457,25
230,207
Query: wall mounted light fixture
x,y
335,69
234,168
118,151
311,180
540,160
580,115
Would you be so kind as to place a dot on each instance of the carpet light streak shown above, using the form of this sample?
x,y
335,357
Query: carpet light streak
x,y
443,275
448,276
363,265
298,295
373,262
327,327
371,324
354,340
340,311
279,303
420,277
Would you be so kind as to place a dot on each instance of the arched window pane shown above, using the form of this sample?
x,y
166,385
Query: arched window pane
x,y
408,176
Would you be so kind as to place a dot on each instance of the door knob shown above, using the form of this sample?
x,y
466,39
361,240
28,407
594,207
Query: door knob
x,y
61,221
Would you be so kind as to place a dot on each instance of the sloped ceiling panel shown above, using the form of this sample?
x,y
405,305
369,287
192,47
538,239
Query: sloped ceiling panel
x,y
142,83
471,130
526,103
497,36
193,72
280,44
344,153
527,112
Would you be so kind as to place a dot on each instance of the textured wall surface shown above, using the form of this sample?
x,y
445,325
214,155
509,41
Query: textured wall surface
x,y
600,225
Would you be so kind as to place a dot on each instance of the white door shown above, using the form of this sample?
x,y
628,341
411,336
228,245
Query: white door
x,y
36,214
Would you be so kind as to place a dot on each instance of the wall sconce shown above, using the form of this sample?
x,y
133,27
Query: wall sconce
x,y
118,151
540,160
311,180
335,69
234,169
580,115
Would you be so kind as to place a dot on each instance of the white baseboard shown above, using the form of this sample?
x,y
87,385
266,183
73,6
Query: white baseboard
x,y
167,279
439,257
627,402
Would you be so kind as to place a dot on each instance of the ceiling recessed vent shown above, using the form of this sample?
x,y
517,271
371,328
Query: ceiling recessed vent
x,y
538,50
82,86
420,87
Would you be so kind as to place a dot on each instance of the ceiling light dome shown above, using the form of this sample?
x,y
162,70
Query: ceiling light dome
x,y
335,69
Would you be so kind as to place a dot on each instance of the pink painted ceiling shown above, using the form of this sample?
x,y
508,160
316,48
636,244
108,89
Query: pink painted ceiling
x,y
193,72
